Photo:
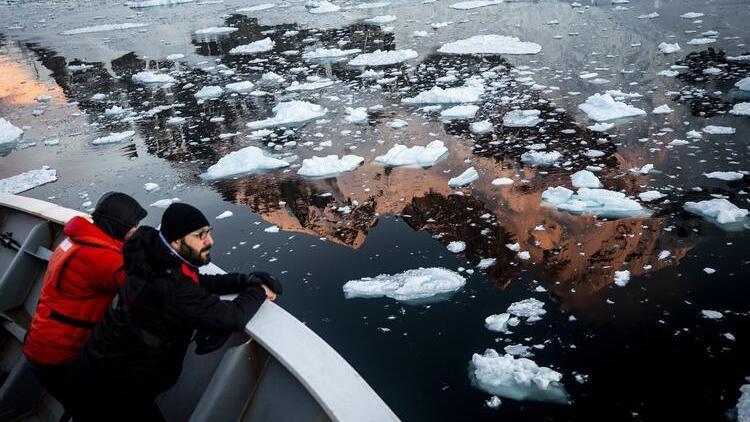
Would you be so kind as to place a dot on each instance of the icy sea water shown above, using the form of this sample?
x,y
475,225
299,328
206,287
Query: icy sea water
x,y
644,351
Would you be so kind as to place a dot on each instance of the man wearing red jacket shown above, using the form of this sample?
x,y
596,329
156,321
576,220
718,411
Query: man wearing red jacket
x,y
82,278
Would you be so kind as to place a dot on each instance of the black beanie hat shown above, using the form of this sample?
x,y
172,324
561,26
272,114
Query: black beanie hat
x,y
180,219
116,213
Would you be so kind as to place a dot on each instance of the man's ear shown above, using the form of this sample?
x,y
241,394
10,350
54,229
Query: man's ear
x,y
176,244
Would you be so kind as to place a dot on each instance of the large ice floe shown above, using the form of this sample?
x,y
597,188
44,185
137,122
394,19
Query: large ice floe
x,y
416,156
459,112
600,202
501,322
147,77
743,404
103,28
516,378
540,158
291,113
114,137
244,161
469,175
383,58
28,180
329,166
602,107
743,84
468,93
490,44
254,47
422,285
522,118
719,211
8,132
740,109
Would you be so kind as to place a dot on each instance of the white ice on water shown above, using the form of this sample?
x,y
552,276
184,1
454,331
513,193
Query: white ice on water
x,y
155,3
456,246
602,107
381,20
743,84
416,156
725,175
468,93
329,53
209,92
8,132
411,285
244,161
740,109
329,166
585,179
475,4
502,181
147,77
321,6
469,175
114,137
383,58
103,28
717,210
667,48
255,47
240,87
516,378
501,322
600,202
531,309
743,404
356,115
481,127
291,113
216,30
490,44
622,278
719,130
522,118
28,180
540,158
460,112
651,195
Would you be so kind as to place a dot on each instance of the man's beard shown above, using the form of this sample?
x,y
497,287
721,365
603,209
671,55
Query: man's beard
x,y
193,256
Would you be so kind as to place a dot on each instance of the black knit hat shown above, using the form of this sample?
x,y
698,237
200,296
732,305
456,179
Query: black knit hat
x,y
116,213
180,219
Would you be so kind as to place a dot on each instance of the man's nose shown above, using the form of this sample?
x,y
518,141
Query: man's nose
x,y
209,240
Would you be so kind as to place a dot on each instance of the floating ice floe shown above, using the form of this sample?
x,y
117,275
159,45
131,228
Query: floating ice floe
x,y
622,278
531,309
743,84
718,211
468,93
601,127
244,161
651,195
381,20
225,214
485,263
740,109
28,180
150,186
329,53
725,175
317,7
291,113
155,3
416,156
240,87
257,8
460,112
271,78
414,286
541,158
585,179
469,175
701,41
383,58
709,314
493,402
209,92
8,132
662,109
522,118
216,30
667,48
255,47
691,15
468,5
600,202
456,246
743,404
103,28
502,181
719,130
356,115
114,137
490,44
516,378
500,322
329,166
481,127
164,203
603,107
309,86
147,77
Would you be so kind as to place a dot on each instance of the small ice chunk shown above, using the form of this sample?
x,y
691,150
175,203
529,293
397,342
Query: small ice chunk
x,y
103,28
502,181
291,113
271,78
397,124
725,175
493,402
8,132
743,404
150,186
691,15
701,41
329,166
622,278
271,229
411,285
490,44
147,77
486,263
244,161
321,6
667,48
651,195
500,322
709,270
216,30
531,309
717,210
516,378
460,112
257,8
356,115
329,53
585,179
244,86
484,127
469,93
541,158
709,314
383,58
209,92
719,130
474,4
114,137
469,175
456,246
601,202
522,118
416,156
164,203
601,127
743,84
225,214
254,47
381,20
740,109
603,107
662,109
28,180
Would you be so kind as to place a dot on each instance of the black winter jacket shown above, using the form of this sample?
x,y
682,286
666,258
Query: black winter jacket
x,y
141,342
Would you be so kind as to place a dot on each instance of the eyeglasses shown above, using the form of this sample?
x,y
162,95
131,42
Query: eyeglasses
x,y
202,234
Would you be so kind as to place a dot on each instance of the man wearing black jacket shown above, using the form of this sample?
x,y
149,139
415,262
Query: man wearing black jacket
x,y
136,352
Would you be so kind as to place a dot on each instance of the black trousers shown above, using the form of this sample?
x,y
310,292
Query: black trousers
x,y
56,379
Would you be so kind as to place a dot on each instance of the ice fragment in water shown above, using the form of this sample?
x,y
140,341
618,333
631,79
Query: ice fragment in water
x,y
602,107
456,246
290,113
383,58
246,160
490,44
8,132
601,202
412,285
329,166
468,176
416,156
28,180
717,210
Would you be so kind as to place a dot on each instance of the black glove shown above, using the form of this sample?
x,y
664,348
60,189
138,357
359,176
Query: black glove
x,y
207,342
269,280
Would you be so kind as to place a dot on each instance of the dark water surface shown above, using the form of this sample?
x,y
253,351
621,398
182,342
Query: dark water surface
x,y
642,352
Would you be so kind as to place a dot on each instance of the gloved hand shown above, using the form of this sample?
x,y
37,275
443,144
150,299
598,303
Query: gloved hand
x,y
269,280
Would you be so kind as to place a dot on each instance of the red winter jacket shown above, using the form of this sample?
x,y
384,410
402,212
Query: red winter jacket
x,y
82,277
